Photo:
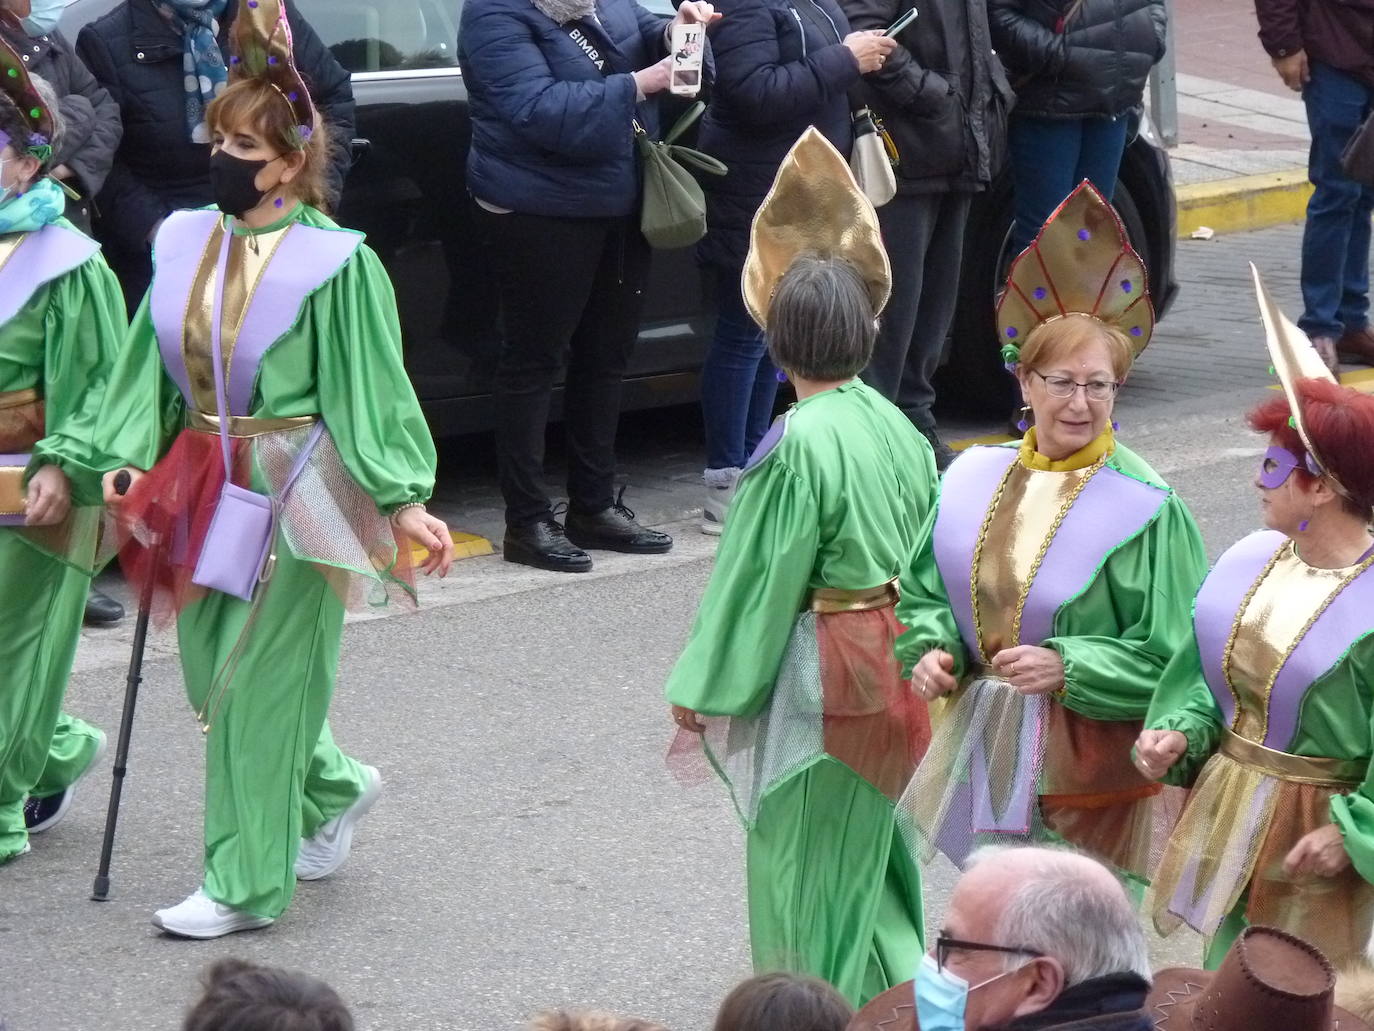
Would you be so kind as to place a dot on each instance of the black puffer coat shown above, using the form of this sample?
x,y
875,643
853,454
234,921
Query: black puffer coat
x,y
1093,65
136,54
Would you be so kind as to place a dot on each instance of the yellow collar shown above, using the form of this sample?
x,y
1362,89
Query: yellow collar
x,y
1105,444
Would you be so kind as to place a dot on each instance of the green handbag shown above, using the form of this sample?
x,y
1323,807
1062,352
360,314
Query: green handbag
x,y
674,208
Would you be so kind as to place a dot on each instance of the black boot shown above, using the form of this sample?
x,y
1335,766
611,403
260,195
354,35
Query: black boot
x,y
615,529
544,546
102,610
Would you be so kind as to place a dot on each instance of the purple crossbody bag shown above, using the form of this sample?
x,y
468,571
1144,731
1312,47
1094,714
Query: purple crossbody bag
x,y
235,557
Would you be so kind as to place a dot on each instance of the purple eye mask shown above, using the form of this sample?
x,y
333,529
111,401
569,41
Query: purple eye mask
x,y
1278,464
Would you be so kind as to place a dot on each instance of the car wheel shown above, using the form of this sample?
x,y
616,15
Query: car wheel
x,y
972,377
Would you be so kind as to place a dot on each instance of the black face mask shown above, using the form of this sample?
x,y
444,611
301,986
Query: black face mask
x,y
233,182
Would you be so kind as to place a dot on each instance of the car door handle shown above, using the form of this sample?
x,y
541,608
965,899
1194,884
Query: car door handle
x,y
358,149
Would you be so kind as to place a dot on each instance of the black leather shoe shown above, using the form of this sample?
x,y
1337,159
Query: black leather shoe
x,y
544,546
615,529
102,610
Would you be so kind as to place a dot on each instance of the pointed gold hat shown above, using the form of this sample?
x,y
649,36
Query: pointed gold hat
x,y
814,206
1082,263
1294,359
263,50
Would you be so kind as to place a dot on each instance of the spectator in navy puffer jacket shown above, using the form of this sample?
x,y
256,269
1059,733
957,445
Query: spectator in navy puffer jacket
x,y
554,87
781,65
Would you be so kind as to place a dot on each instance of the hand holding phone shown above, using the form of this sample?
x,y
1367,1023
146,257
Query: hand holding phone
x,y
897,26
687,51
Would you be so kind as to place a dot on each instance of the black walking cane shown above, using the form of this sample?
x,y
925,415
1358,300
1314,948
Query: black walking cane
x,y
100,890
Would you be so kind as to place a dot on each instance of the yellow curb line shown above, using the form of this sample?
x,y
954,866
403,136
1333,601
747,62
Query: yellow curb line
x,y
465,545
991,438
1243,203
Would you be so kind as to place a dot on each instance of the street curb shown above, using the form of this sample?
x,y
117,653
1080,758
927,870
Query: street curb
x,y
1243,203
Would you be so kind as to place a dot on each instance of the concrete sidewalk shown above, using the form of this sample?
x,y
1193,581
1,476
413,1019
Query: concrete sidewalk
x,y
1241,160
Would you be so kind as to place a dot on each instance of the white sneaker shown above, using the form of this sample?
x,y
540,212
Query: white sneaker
x,y
200,916
328,850
719,494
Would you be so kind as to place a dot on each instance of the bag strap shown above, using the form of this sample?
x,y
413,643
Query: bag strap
x,y
1062,24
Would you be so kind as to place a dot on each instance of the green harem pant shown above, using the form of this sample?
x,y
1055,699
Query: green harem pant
x,y
272,771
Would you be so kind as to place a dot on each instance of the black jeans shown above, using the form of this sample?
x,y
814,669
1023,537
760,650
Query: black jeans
x,y
924,236
574,287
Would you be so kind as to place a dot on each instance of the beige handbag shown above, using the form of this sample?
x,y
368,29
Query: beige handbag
x,y
871,159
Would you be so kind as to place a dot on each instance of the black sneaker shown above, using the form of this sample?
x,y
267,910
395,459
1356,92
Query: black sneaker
x,y
615,529
42,813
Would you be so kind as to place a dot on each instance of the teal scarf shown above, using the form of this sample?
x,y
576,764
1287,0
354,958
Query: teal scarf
x,y
40,205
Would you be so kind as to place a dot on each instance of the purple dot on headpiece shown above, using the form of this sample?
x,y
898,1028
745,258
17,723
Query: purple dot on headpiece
x,y
1126,285
235,59
1083,234
1039,293
293,96
1011,332
1135,331
271,58
253,4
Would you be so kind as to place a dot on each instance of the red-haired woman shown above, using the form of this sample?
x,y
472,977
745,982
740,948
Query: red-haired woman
x,y
1269,706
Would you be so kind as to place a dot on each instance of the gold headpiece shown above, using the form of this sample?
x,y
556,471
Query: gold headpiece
x,y
1081,263
814,206
262,50
1294,359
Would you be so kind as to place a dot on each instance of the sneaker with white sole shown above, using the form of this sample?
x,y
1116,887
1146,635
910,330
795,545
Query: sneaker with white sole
x,y
41,814
328,848
720,491
200,916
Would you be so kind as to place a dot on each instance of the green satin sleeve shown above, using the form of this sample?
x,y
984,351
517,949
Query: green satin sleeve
x,y
1348,737
760,581
924,609
1184,702
1118,635
143,410
363,391
81,319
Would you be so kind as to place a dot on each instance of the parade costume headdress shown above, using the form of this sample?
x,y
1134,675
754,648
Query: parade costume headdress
x,y
1081,263
1294,358
19,89
262,50
814,206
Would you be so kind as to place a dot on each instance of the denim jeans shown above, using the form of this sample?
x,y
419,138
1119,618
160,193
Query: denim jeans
x,y
1051,156
1335,241
738,380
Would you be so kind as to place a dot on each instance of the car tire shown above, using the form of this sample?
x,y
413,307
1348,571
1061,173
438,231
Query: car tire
x,y
972,378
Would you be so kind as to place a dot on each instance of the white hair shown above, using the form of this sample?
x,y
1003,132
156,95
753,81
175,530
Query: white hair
x,y
1090,928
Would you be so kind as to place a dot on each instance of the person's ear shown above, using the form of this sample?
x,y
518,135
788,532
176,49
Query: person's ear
x,y
1023,379
27,170
1043,980
1320,492
292,165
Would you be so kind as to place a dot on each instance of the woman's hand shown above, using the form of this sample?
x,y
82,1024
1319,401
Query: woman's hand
x,y
429,533
933,676
696,12
654,79
113,498
688,719
1320,852
49,497
1030,669
1156,751
870,48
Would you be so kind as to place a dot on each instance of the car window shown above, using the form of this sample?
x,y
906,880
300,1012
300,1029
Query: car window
x,y
386,35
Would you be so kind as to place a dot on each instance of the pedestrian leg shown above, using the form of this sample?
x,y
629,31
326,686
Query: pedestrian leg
x,y
1044,155
907,222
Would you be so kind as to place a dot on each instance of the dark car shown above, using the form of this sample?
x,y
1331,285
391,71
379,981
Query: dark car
x,y
406,191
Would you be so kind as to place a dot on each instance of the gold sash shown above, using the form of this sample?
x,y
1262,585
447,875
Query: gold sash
x,y
1301,769
21,420
245,425
834,599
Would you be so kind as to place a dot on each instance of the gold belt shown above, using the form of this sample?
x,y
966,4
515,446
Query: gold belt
x,y
833,599
17,398
1302,769
245,425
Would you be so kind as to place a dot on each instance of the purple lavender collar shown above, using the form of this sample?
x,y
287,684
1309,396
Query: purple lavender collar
x,y
43,256
306,259
1344,623
1112,510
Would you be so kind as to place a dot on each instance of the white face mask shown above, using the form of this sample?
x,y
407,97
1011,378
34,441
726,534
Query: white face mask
x,y
44,17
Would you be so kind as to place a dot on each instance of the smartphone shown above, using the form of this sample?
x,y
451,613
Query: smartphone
x,y
901,23
687,44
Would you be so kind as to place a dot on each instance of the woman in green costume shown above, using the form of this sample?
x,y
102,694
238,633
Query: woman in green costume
x,y
269,345
1053,584
1266,711
793,639
60,327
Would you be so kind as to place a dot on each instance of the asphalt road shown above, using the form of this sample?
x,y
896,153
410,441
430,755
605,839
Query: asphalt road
x,y
531,849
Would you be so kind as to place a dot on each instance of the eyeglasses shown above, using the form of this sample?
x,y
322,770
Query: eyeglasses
x,y
945,945
1062,386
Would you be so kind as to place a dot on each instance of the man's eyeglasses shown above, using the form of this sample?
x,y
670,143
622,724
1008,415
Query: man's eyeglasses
x,y
945,945
1062,386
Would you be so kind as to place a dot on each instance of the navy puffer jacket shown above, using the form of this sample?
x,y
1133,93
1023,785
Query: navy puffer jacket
x,y
551,134
780,67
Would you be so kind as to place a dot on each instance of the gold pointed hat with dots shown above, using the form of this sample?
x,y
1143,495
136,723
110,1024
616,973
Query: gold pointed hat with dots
x,y
19,88
814,206
262,50
1082,263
